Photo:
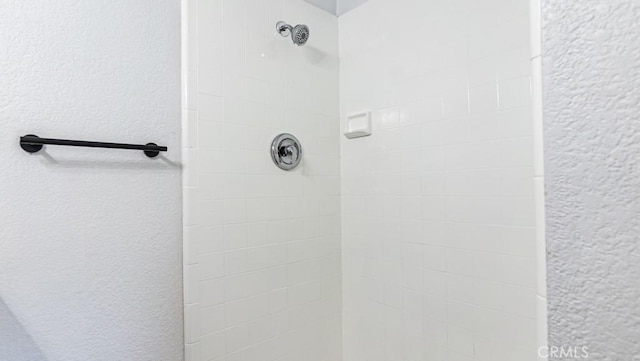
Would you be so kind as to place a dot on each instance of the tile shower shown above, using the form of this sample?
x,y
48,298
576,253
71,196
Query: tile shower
x,y
415,243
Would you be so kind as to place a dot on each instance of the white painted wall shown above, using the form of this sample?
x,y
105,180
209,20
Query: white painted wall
x,y
90,241
337,7
438,206
328,5
591,74
343,6
262,246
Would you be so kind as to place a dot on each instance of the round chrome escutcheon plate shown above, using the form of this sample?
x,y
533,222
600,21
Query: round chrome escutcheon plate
x,y
286,151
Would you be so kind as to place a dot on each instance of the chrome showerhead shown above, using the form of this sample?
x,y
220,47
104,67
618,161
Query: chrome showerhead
x,y
299,33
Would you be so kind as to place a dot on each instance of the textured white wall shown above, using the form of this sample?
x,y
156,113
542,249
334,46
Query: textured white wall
x,y
262,246
591,72
90,239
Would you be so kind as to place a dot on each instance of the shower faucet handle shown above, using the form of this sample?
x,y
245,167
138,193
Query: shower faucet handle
x,y
286,151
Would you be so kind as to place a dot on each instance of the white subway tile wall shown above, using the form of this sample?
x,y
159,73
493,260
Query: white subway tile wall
x,y
262,246
541,240
416,243
438,204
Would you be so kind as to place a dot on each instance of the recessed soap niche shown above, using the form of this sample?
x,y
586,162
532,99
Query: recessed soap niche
x,y
358,125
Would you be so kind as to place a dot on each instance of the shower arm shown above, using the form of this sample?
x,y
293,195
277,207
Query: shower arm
x,y
283,28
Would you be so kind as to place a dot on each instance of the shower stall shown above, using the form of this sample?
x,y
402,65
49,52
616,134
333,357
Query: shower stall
x,y
421,241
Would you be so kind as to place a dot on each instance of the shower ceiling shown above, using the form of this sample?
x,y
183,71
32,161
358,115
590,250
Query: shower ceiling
x,y
337,7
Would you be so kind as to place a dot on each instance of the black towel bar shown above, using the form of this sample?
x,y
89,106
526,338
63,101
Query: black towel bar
x,y
32,144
